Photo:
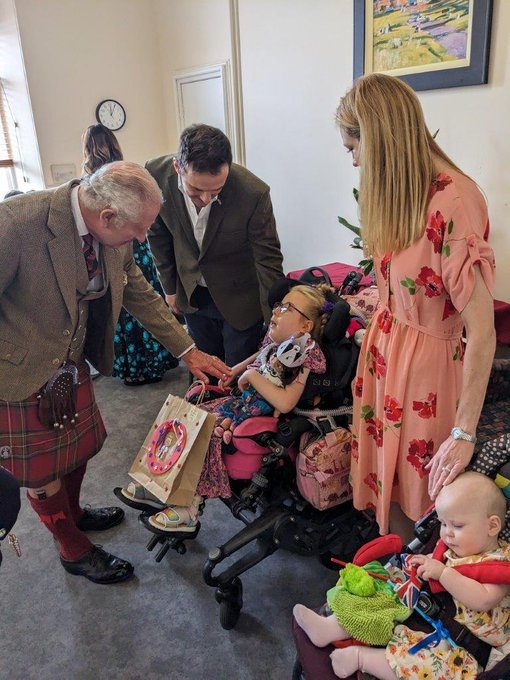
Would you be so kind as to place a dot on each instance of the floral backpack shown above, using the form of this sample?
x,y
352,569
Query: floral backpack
x,y
323,465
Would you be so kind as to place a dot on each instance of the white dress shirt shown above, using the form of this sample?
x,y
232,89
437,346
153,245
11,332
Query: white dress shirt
x,y
198,219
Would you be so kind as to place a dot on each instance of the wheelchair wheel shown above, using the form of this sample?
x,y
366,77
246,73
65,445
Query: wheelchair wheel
x,y
362,529
231,603
229,615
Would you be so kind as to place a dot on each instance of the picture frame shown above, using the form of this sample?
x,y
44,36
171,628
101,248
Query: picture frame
x,y
470,67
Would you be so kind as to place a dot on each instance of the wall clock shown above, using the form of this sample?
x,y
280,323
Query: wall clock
x,y
111,114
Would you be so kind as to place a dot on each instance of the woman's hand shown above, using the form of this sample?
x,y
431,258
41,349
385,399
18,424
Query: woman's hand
x,y
451,458
427,567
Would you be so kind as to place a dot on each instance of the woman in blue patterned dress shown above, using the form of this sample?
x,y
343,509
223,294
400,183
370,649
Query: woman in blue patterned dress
x,y
139,358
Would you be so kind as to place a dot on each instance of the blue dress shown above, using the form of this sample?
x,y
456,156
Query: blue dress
x,y
138,356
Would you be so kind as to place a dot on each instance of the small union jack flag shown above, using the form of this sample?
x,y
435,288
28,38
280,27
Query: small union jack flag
x,y
409,591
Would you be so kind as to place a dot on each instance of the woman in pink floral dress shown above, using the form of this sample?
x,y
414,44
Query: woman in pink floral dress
x,y
426,225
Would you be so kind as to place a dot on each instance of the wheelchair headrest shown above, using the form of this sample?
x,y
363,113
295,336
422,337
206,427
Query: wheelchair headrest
x,y
338,322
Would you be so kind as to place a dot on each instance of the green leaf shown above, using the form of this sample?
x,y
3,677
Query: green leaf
x,y
409,284
367,265
457,353
350,226
446,250
397,425
355,193
435,133
450,226
367,412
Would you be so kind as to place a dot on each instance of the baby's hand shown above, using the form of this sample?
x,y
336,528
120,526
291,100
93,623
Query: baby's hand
x,y
427,567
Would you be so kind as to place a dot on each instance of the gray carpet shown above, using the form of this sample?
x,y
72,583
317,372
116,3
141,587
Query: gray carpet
x,y
164,622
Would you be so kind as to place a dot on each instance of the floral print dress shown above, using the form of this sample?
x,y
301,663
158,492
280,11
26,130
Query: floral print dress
x,y
138,355
213,481
409,375
445,662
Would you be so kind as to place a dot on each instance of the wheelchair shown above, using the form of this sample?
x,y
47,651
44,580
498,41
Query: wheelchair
x,y
262,470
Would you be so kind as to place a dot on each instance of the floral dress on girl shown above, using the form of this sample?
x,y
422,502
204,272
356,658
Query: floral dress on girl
x,y
302,353
444,662
409,375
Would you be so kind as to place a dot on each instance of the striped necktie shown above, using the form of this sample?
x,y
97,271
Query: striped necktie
x,y
93,267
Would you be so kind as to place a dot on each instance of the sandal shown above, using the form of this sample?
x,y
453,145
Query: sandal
x,y
137,497
177,519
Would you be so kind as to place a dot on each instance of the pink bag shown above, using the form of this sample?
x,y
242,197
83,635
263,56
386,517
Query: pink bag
x,y
323,467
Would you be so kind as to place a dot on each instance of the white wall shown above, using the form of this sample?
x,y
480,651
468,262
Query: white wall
x,y
192,33
78,53
296,63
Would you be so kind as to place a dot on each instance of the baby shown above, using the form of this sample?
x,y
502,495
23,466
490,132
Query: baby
x,y
471,510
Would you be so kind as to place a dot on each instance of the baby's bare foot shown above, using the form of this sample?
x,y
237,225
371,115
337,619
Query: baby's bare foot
x,y
345,661
322,630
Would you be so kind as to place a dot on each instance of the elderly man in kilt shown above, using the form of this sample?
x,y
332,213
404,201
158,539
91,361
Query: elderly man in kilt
x,y
66,269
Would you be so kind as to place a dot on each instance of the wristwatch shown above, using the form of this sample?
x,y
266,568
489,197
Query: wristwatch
x,y
458,433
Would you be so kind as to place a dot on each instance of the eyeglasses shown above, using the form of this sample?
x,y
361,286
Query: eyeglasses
x,y
283,308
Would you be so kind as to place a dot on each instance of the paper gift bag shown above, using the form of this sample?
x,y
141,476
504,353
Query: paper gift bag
x,y
171,458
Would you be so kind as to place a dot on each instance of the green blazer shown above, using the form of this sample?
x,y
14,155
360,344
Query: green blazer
x,y
41,266
240,256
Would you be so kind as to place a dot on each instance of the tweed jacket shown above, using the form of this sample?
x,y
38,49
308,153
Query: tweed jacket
x,y
41,265
240,256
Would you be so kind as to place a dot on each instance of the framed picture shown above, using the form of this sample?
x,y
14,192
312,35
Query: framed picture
x,y
428,43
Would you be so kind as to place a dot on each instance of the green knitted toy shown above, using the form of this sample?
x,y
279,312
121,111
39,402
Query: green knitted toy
x,y
365,606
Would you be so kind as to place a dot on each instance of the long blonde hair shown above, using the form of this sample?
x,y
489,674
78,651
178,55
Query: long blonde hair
x,y
397,154
315,297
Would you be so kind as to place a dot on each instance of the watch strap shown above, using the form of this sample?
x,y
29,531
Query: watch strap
x,y
458,433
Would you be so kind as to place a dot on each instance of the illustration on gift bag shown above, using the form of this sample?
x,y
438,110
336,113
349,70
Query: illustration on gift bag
x,y
171,458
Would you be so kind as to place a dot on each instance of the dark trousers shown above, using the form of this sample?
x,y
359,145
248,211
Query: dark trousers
x,y
212,334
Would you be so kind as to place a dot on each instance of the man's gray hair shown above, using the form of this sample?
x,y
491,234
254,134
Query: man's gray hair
x,y
124,187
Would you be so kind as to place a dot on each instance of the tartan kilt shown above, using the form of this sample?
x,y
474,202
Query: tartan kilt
x,y
37,455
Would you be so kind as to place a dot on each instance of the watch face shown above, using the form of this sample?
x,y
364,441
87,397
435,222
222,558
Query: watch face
x,y
458,433
111,114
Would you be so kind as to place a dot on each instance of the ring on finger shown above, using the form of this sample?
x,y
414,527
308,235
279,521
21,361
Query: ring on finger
x,y
446,468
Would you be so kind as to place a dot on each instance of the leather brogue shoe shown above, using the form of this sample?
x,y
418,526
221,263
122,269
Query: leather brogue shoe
x,y
99,519
99,566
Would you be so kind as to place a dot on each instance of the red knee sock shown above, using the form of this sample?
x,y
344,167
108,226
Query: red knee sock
x,y
55,514
72,484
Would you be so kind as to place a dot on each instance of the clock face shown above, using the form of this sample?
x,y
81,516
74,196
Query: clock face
x,y
111,114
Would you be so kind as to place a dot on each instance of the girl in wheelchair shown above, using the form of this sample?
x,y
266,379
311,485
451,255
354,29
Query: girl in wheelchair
x,y
472,512
271,381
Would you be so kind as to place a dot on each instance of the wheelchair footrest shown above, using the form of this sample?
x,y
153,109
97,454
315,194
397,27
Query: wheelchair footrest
x,y
167,540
